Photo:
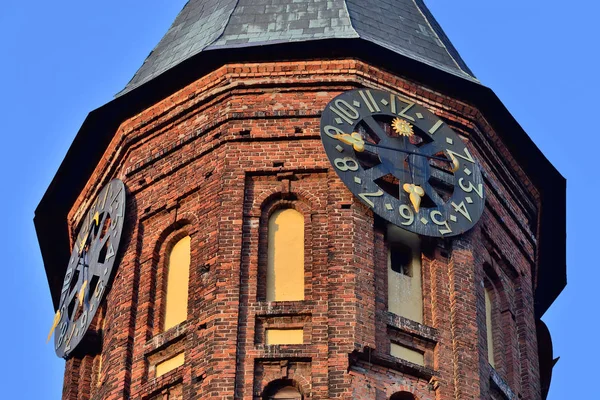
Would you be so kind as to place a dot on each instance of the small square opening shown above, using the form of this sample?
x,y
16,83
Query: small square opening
x,y
401,259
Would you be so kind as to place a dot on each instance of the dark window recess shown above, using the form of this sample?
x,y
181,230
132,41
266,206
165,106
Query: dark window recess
x,y
401,259
402,396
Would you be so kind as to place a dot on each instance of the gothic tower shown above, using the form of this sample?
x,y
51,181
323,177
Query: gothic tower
x,y
304,200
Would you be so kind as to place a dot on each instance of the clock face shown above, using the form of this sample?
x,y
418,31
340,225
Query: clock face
x,y
90,267
403,162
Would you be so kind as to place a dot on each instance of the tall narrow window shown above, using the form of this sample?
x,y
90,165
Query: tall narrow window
x,y
489,326
285,265
176,303
405,297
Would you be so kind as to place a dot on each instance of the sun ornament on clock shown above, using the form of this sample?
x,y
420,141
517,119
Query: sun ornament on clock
x,y
402,128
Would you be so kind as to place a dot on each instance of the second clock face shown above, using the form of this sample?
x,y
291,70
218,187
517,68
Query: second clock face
x,y
403,162
90,267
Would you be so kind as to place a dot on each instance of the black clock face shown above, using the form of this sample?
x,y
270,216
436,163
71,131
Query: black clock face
x,y
90,267
403,162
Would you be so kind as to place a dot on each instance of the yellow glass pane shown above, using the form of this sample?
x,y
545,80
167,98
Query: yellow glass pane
x,y
407,354
170,364
177,284
285,268
284,336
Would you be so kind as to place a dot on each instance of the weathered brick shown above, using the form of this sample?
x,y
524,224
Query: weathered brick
x,y
210,161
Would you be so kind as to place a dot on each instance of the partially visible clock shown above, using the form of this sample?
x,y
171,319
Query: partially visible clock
x,y
403,162
90,267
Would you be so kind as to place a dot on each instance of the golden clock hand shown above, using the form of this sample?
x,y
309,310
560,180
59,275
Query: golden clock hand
x,y
54,325
455,164
82,292
415,193
411,152
96,219
410,170
355,140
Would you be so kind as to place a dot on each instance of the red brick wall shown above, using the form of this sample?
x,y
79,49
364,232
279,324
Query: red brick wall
x,y
212,161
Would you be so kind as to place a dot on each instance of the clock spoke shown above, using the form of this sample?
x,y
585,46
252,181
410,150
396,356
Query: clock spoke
x,y
377,130
71,295
101,223
446,178
433,195
102,242
431,148
377,172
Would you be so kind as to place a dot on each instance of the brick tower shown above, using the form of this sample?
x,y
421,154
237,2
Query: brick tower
x,y
247,269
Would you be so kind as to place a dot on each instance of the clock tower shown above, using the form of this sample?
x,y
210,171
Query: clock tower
x,y
304,200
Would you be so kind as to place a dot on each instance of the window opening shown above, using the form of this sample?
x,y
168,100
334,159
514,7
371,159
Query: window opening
x,y
176,298
285,264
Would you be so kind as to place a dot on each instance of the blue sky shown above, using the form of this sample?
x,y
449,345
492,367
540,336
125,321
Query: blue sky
x,y
63,59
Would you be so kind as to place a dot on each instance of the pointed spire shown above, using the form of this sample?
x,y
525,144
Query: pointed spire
x,y
403,26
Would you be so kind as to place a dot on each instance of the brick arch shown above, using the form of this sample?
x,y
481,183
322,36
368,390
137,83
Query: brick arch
x,y
300,196
493,282
403,395
298,382
278,204
188,225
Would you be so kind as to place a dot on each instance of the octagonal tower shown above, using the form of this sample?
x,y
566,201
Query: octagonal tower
x,y
248,270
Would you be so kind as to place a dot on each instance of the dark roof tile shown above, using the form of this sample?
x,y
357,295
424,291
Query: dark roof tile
x,y
404,26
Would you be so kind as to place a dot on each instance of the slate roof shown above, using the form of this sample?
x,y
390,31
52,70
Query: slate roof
x,y
403,26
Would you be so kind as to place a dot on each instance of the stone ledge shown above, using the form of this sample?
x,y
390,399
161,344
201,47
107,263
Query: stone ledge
x,y
413,328
371,356
501,385
166,339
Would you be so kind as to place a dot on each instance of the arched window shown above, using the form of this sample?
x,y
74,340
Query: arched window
x,y
489,326
403,396
405,296
285,260
176,297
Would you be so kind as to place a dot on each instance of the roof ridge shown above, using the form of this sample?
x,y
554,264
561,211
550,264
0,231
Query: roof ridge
x,y
444,39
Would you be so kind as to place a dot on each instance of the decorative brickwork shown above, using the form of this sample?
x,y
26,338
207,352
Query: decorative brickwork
x,y
212,161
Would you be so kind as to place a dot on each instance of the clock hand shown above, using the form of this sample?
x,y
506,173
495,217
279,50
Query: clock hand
x,y
54,324
415,192
86,266
452,160
357,142
96,219
82,292
410,170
